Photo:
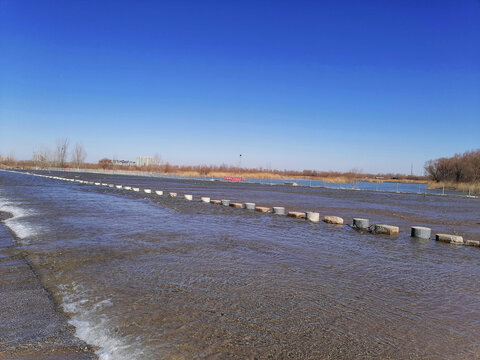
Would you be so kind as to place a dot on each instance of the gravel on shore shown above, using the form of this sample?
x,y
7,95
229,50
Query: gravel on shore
x,y
31,324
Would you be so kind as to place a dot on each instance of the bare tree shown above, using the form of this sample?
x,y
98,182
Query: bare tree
x,y
458,168
9,160
61,152
42,158
78,155
157,161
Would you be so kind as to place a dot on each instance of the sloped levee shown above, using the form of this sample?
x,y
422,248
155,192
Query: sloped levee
x,y
31,325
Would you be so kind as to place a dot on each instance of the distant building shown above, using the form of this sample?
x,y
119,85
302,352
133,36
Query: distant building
x,y
144,160
124,163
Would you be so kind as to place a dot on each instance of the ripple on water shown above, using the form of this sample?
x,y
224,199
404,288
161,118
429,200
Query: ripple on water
x,y
143,276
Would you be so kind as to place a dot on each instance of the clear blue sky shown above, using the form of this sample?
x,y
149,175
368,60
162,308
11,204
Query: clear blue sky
x,y
326,85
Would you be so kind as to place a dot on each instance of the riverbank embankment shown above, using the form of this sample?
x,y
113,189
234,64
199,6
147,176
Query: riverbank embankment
x,y
31,324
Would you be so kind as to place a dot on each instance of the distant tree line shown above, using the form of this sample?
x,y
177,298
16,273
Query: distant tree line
x,y
205,170
44,158
458,168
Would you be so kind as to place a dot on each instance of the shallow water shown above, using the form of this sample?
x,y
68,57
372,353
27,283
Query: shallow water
x,y
150,277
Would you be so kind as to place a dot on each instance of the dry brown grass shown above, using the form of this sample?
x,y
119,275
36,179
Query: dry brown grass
x,y
472,188
246,173
338,179
221,174
410,181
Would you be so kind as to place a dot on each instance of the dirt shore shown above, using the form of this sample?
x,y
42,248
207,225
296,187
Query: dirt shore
x,y
31,324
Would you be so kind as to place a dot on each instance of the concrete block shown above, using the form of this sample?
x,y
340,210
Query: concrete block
x,y
118,186
172,194
136,189
361,224
382,229
262,209
205,199
421,232
103,184
297,215
250,206
127,188
216,202
188,197
313,216
111,185
97,183
237,205
225,202
148,191
475,243
278,210
333,220
451,239
159,192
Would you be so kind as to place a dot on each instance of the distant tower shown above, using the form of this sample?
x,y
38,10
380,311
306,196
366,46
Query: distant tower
x,y
240,161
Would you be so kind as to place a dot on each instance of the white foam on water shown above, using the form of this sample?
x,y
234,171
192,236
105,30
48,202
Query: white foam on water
x,y
94,327
18,223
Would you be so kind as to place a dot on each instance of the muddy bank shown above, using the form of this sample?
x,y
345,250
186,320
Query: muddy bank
x,y
31,325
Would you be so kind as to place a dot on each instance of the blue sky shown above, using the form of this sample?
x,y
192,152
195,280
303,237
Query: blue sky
x,y
325,85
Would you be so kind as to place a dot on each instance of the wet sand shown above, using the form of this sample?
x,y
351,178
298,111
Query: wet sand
x,y
31,324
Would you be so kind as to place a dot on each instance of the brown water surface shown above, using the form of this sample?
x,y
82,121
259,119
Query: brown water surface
x,y
152,277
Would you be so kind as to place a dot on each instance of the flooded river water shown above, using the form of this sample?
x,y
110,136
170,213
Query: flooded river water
x,y
149,277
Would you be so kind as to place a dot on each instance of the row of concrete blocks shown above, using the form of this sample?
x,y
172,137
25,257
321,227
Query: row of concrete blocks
x,y
419,232
358,223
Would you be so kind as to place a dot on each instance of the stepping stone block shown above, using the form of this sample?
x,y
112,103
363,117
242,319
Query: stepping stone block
x,y
475,243
451,239
313,216
335,220
237,205
421,232
382,229
250,206
361,224
297,215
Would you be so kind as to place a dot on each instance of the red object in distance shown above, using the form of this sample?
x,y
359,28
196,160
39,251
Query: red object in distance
x,y
232,178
